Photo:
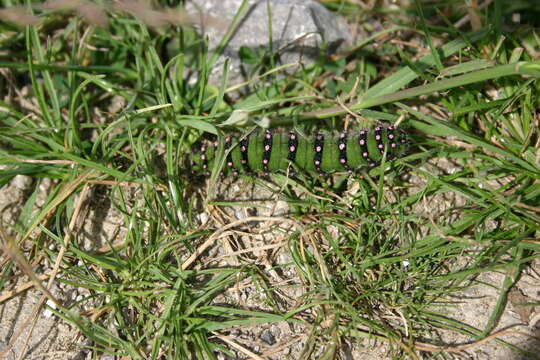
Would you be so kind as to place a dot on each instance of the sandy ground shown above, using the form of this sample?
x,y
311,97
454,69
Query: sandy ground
x,y
25,336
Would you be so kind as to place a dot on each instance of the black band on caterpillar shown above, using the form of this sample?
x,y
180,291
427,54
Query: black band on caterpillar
x,y
267,150
322,153
292,148
319,147
342,146
244,143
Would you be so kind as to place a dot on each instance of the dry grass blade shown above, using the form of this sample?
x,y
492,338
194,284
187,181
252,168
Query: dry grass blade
x,y
433,348
239,347
210,241
12,250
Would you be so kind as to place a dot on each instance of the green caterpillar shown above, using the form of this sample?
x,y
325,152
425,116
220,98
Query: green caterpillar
x,y
322,153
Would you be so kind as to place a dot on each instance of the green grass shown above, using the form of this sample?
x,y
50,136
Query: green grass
x,y
381,256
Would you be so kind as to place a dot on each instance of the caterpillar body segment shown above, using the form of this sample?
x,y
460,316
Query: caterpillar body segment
x,y
320,153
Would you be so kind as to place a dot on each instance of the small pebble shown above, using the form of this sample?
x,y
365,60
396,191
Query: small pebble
x,y
106,357
268,337
47,312
21,182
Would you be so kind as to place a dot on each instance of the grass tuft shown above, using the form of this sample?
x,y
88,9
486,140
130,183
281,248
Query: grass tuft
x,y
100,114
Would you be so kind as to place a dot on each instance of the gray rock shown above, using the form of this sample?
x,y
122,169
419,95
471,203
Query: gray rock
x,y
299,30
268,337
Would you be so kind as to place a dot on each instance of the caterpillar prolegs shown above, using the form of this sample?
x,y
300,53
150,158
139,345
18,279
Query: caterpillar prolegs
x,y
321,153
